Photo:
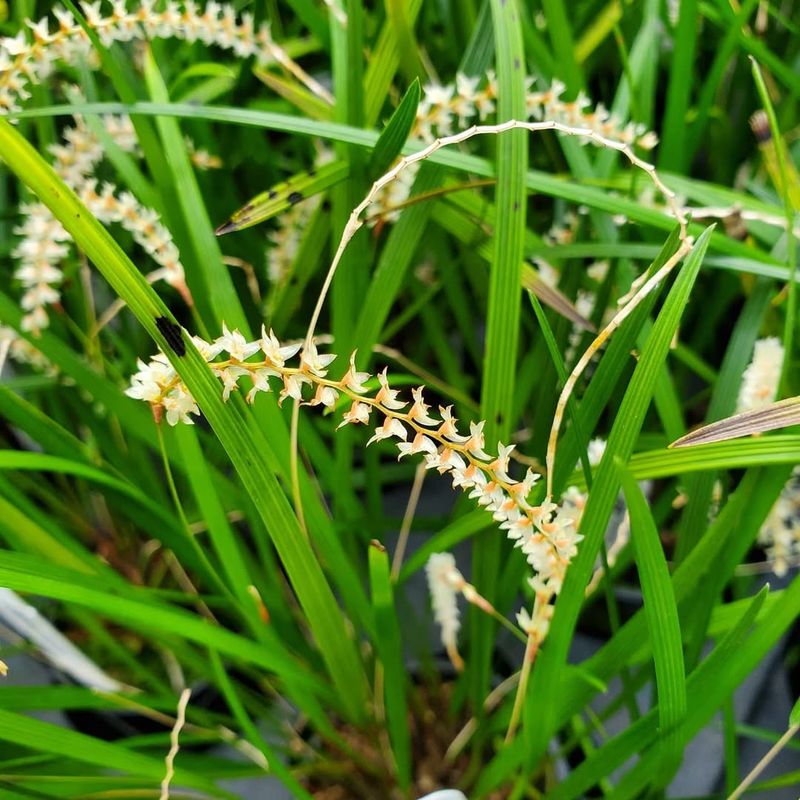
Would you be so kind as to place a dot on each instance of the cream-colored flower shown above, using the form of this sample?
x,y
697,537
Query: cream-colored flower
x,y
179,404
358,414
419,444
293,387
439,571
313,362
386,396
448,427
762,376
324,396
353,379
277,353
235,345
391,427
419,411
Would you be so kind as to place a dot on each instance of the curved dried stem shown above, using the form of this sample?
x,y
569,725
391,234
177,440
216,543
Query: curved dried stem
x,y
355,222
684,247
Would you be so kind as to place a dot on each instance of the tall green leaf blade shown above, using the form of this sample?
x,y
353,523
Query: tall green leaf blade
x,y
503,314
48,738
242,439
390,652
24,573
640,736
215,279
672,153
663,624
541,706
756,258
397,130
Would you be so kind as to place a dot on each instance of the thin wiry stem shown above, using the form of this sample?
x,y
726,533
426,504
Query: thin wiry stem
x,y
294,467
174,743
531,649
601,338
355,222
764,762
408,518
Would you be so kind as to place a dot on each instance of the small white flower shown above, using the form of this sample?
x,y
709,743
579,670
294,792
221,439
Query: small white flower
x,y
237,347
353,379
468,477
391,427
450,460
448,428
293,387
475,443
466,95
501,463
324,396
386,396
277,353
179,405
419,411
596,450
420,444
230,378
359,413
315,363
208,350
260,382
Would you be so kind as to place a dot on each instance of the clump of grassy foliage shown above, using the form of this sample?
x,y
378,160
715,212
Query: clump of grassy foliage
x,y
433,189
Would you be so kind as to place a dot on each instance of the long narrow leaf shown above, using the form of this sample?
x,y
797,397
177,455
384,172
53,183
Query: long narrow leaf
x,y
243,441
661,613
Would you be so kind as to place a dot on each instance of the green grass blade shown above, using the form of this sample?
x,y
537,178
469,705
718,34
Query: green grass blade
x,y
560,30
24,573
227,548
621,440
503,313
790,192
283,196
390,653
383,64
243,440
672,151
393,264
756,259
55,739
214,283
275,765
640,736
397,130
661,613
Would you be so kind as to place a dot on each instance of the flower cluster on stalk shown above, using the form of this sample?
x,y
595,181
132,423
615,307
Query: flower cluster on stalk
x,y
545,533
29,57
44,244
762,376
470,99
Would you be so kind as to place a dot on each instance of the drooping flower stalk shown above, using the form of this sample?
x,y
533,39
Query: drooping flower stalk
x,y
440,569
455,106
445,581
543,532
639,290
